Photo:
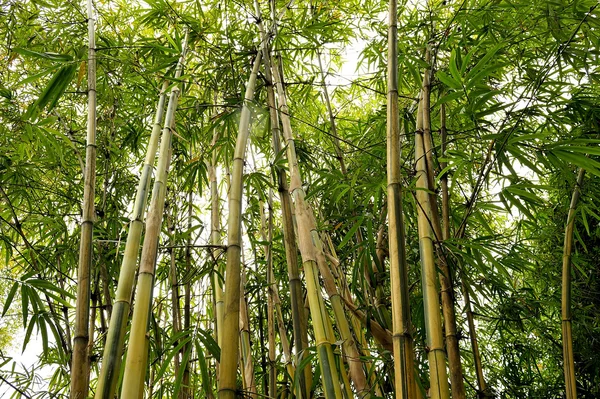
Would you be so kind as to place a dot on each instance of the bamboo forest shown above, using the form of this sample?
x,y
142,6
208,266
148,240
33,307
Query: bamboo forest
x,y
302,199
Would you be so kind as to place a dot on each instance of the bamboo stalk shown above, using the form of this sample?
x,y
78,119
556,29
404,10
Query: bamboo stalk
x,y
567,318
329,376
401,321
186,391
137,353
433,324
174,283
300,335
249,382
229,349
445,276
115,337
80,366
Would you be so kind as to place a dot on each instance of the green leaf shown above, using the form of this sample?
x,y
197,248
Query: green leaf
x,y
9,297
47,56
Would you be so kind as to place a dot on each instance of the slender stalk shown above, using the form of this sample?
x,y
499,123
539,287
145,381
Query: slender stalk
x,y
567,318
401,321
137,354
115,337
186,391
173,280
80,366
433,324
304,215
300,335
248,379
230,348
445,276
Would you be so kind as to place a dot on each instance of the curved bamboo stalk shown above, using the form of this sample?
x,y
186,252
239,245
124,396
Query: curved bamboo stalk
x,y
433,324
567,333
229,349
115,337
300,335
401,321
80,366
137,353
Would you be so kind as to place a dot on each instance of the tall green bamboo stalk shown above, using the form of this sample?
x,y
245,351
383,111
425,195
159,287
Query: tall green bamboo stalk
x,y
567,318
230,347
300,335
438,379
401,321
115,337
137,353
80,366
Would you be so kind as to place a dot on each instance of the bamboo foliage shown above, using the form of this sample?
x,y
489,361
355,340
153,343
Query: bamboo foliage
x,y
80,366
401,320
137,353
567,333
229,348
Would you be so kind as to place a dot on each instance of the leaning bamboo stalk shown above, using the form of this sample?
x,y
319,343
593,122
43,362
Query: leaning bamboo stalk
x,y
567,318
174,283
80,366
111,360
329,375
300,335
137,353
447,290
230,347
439,388
401,321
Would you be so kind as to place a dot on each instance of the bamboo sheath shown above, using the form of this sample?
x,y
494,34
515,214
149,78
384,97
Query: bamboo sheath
x,y
401,321
329,375
229,349
111,363
567,333
447,290
137,353
439,388
80,366
300,335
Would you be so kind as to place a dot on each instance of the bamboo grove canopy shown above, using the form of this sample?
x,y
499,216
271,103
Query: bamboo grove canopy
x,y
299,199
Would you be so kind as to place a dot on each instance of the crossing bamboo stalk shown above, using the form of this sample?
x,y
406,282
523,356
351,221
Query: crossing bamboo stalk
x,y
401,321
567,317
80,365
137,353
230,347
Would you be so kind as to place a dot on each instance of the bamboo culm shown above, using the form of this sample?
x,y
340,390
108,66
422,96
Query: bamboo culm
x,y
80,366
401,321
137,354
567,318
230,335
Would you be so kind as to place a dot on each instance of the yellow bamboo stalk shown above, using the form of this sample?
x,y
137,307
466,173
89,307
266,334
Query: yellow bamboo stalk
x,y
249,382
438,379
401,321
229,349
567,318
80,366
137,353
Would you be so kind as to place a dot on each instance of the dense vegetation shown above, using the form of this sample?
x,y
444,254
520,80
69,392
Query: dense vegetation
x,y
423,226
